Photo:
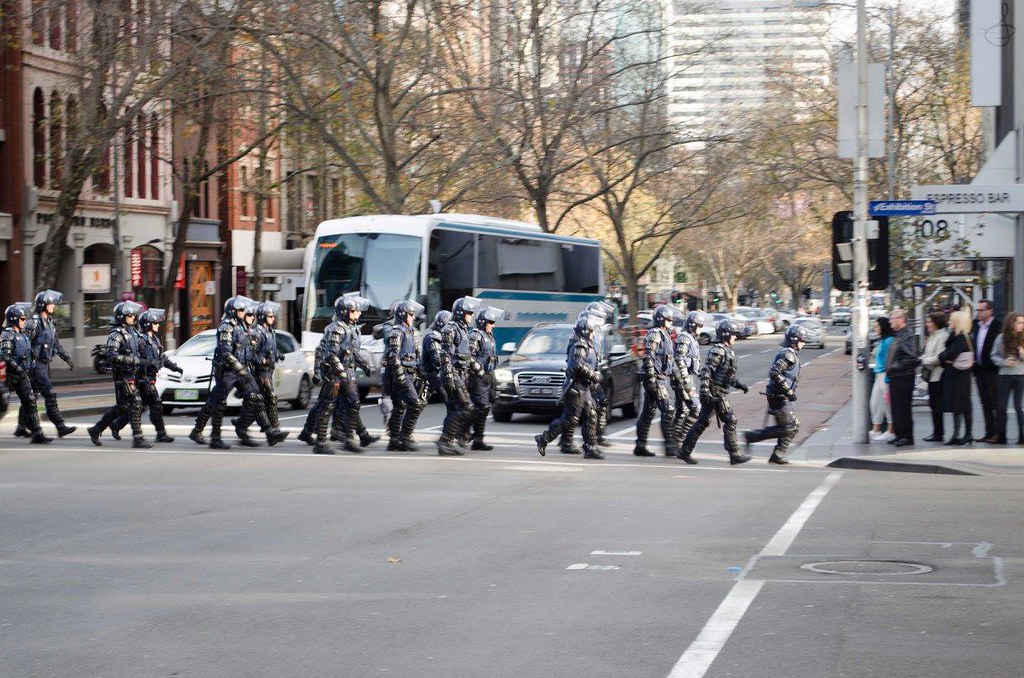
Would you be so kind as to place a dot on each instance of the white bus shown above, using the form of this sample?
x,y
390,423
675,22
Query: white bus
x,y
532,275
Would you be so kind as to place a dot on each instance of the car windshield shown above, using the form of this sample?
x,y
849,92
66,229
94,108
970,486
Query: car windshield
x,y
842,309
544,343
199,345
810,323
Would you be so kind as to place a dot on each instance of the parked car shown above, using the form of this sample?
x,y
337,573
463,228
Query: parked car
x,y
842,315
816,330
764,323
293,377
784,319
749,325
531,381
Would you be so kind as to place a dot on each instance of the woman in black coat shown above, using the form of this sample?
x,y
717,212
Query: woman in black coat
x,y
956,384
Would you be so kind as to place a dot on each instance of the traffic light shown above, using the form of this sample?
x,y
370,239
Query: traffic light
x,y
842,253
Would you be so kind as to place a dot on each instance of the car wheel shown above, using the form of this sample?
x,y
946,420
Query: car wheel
x,y
502,416
703,339
168,409
785,324
363,392
632,409
302,398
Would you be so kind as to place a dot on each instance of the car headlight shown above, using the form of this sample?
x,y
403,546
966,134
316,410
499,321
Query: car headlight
x,y
502,375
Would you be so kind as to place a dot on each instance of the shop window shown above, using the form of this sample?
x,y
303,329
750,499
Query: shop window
x,y
38,22
56,140
55,24
154,157
140,173
71,22
38,139
129,157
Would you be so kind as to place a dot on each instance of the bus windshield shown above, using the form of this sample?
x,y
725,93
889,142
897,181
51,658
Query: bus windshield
x,y
383,267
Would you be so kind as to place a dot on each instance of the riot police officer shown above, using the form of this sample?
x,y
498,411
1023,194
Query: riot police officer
x,y
254,405
480,379
401,374
430,352
151,359
656,374
686,378
42,332
264,358
230,372
455,362
605,312
347,418
125,360
380,333
783,376
577,397
717,376
16,351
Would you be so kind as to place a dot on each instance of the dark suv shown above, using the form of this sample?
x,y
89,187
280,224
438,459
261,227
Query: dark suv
x,y
531,381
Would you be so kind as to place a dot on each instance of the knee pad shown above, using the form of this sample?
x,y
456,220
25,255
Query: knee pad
x,y
729,418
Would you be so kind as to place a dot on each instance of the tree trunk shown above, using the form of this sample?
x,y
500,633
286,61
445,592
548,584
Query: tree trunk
x,y
67,203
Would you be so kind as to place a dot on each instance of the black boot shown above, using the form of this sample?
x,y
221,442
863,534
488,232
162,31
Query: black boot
x,y
218,444
350,446
482,446
275,436
642,452
40,439
446,448
366,438
243,435
686,455
322,449
94,436
592,454
21,432
63,430
542,444
306,437
196,436
141,443
162,437
738,458
570,449
778,457
115,433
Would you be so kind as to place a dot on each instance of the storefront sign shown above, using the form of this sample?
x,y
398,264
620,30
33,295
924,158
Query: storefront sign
x,y
972,199
179,281
96,278
136,267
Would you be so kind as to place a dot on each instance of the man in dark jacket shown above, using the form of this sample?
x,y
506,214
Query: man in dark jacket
x,y
986,373
900,367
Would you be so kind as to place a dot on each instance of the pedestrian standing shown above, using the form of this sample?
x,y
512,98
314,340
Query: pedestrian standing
x,y
901,363
484,359
151,359
125,362
16,352
957,359
686,378
717,376
931,371
783,376
881,412
455,363
577,397
42,332
401,373
656,375
1008,354
986,373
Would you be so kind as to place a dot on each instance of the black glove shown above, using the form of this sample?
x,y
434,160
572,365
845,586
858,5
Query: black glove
x,y
742,387
792,396
317,380
177,369
280,358
67,359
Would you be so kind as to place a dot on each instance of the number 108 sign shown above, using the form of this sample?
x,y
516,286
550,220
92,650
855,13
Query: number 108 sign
x,y
933,229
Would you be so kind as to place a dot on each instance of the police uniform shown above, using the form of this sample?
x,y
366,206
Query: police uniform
x,y
656,375
686,382
42,332
125,361
717,376
16,351
263,359
329,367
577,398
430,352
401,376
151,359
783,376
347,416
455,361
483,359
601,408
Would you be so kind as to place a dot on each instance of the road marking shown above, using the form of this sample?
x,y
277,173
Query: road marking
x,y
616,553
703,651
586,566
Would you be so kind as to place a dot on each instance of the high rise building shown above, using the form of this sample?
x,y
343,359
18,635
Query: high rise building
x,y
724,54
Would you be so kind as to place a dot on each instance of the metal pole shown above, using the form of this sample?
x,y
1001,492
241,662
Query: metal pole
x,y
115,274
860,245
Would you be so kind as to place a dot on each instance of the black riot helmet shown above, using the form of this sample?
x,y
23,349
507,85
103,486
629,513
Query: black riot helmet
x,y
235,304
13,314
464,306
349,302
441,318
488,314
46,297
693,321
267,308
125,309
586,324
663,316
602,307
728,328
408,306
794,334
153,316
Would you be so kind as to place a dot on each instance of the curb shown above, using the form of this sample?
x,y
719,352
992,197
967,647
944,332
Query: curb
x,y
861,464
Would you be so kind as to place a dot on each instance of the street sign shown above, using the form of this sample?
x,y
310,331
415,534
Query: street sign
x,y
900,208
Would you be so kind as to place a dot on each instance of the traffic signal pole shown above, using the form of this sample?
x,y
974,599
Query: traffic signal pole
x,y
859,323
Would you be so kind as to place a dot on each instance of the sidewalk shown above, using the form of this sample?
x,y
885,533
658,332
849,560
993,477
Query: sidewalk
x,y
833,445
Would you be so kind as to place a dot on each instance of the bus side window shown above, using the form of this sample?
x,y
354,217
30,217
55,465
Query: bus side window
x,y
451,261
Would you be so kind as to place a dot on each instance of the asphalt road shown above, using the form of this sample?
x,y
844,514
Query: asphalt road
x,y
181,561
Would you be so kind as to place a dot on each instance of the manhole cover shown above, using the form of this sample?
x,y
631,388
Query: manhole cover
x,y
855,567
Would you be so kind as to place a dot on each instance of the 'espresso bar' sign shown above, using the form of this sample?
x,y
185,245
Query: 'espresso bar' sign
x,y
968,198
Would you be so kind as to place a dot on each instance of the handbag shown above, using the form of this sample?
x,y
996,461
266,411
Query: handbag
x,y
965,360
